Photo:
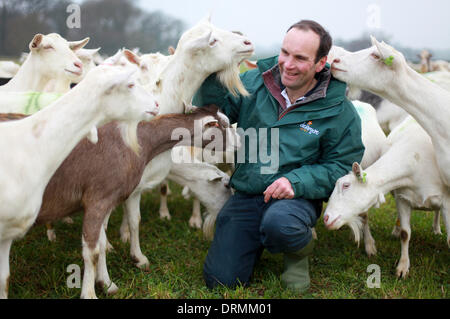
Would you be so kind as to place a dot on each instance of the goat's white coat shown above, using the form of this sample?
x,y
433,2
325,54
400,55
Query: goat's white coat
x,y
48,137
50,66
428,103
408,169
8,69
201,51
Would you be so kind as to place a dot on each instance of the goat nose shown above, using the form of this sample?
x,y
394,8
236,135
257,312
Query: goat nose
x,y
336,60
78,64
325,218
246,42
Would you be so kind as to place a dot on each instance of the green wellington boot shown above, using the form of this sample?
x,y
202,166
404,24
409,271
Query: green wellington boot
x,y
296,270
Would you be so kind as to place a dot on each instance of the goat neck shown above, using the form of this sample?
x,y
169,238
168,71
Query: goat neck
x,y
22,81
155,136
178,82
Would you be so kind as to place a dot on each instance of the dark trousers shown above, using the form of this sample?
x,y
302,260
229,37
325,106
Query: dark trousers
x,y
246,225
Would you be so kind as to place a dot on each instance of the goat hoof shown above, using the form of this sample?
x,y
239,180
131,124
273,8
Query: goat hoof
x,y
164,215
195,223
113,289
402,272
371,249
109,247
125,236
88,296
143,265
142,262
51,235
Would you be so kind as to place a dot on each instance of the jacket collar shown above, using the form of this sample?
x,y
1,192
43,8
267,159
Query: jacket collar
x,y
272,79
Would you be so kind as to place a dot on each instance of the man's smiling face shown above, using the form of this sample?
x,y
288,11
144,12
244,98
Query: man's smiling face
x,y
297,58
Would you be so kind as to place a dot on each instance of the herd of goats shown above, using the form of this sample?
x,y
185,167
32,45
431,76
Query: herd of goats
x,y
108,139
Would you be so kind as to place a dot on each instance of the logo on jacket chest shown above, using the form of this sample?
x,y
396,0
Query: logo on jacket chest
x,y
306,127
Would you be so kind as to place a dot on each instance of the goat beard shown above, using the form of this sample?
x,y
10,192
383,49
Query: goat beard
x,y
356,225
128,131
231,80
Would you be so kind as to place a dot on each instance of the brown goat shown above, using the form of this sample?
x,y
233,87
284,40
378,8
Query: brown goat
x,y
98,177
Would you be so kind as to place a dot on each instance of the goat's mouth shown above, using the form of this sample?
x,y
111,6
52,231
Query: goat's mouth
x,y
334,69
333,225
77,73
154,113
246,51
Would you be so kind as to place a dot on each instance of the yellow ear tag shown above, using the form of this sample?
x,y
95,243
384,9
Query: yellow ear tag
x,y
364,180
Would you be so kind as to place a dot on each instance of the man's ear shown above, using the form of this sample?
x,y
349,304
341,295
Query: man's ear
x,y
321,64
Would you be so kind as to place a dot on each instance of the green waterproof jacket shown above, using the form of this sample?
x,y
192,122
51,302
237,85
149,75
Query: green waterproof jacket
x,y
318,138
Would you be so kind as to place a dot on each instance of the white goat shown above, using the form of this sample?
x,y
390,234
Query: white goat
x,y
426,65
389,114
384,71
208,184
8,69
372,135
50,67
201,51
408,169
88,58
49,136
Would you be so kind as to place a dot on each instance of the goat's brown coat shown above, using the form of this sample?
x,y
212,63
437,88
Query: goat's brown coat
x,y
98,177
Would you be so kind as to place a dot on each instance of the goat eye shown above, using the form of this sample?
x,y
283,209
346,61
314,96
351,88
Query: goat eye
x,y
47,47
375,56
213,42
346,186
131,85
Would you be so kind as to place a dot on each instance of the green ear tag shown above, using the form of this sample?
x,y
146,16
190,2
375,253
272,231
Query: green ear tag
x,y
364,180
388,61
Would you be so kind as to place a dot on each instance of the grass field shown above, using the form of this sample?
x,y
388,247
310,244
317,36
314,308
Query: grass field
x,y
176,253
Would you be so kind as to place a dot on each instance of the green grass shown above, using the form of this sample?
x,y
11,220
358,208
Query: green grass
x,y
176,253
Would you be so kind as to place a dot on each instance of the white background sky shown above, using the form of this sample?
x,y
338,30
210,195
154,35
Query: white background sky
x,y
414,23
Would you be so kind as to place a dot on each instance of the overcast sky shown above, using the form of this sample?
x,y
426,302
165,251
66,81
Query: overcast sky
x,y
413,23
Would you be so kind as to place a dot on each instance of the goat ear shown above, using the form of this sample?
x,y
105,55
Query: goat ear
x,y
171,50
358,171
206,19
36,43
200,43
132,57
385,51
76,45
216,178
114,59
87,53
92,51
378,45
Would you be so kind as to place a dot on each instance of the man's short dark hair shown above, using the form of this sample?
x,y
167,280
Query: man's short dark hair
x,y
325,38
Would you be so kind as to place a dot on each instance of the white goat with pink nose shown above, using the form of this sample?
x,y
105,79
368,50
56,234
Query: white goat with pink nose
x,y
50,67
383,70
409,170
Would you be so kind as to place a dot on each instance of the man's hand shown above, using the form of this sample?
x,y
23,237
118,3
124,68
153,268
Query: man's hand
x,y
280,189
